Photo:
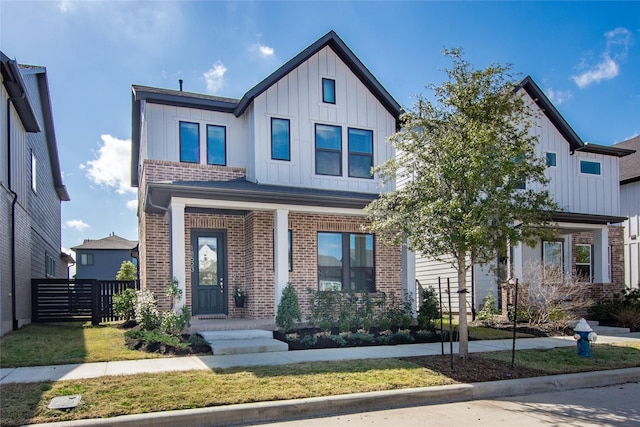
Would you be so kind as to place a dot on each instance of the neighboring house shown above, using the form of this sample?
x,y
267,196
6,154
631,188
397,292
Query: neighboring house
x,y
584,183
31,191
273,185
630,208
101,259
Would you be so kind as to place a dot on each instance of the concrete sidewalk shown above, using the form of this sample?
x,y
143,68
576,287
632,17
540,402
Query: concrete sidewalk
x,y
192,363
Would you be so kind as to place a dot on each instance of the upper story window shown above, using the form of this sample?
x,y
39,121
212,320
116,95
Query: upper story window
x,y
86,259
345,262
280,139
216,145
328,150
34,172
551,159
329,91
189,142
360,153
591,168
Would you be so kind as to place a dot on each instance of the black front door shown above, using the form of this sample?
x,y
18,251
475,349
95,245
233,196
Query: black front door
x,y
208,273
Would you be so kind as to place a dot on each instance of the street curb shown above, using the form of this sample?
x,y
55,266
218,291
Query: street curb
x,y
358,402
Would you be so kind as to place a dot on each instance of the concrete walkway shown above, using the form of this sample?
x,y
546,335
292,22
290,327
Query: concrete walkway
x,y
191,363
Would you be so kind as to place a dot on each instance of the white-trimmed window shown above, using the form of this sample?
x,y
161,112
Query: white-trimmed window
x,y
552,159
584,265
49,265
590,168
34,172
553,259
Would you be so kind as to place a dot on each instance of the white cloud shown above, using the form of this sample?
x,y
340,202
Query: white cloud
x,y
112,167
76,224
132,205
609,67
262,50
558,96
215,77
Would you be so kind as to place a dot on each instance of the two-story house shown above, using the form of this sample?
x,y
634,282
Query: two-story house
x,y
31,191
102,258
256,192
584,183
630,208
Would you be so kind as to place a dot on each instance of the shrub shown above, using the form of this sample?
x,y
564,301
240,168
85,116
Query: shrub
x,y
174,293
288,309
155,337
429,309
146,310
489,309
123,305
629,318
606,309
173,323
338,339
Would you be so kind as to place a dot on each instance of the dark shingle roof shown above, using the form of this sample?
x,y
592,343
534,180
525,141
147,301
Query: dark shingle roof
x,y
630,165
111,242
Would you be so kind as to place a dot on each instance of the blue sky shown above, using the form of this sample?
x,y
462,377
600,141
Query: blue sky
x,y
584,55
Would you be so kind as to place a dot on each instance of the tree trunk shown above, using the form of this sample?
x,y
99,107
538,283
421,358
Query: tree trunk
x,y
463,348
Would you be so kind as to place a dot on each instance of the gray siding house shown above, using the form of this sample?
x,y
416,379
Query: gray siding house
x,y
31,191
101,259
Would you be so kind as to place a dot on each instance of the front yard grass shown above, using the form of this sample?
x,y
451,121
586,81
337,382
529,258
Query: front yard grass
x,y
56,344
120,395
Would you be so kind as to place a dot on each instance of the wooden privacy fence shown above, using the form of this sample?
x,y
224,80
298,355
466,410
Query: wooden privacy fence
x,y
62,300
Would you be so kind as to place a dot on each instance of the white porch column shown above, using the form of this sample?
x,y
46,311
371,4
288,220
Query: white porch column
x,y
516,261
281,253
600,255
409,276
177,248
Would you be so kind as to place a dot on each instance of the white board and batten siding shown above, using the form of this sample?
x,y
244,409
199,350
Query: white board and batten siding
x,y
298,98
160,138
596,194
630,207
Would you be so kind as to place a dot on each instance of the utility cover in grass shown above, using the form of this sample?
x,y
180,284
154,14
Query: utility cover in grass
x,y
65,402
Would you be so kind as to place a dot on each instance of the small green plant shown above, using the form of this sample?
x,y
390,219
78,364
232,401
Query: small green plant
x,y
288,309
338,339
429,309
488,310
173,323
174,293
123,305
155,337
309,340
127,271
325,325
146,310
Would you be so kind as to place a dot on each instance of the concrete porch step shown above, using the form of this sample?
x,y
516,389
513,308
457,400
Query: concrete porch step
x,y
243,341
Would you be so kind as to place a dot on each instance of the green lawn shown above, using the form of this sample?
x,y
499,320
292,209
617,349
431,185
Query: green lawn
x,y
55,344
112,396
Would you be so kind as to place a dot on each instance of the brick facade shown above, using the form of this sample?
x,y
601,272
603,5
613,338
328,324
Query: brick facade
x,y
249,241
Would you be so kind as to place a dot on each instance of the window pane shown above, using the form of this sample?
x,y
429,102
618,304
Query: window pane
x,y
362,280
328,163
583,254
360,166
330,249
216,145
329,137
592,168
551,159
189,145
360,141
552,254
361,250
583,272
280,139
329,91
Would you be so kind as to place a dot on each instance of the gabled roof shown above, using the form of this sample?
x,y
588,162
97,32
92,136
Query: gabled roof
x,y
630,165
12,74
549,110
238,107
110,242
332,40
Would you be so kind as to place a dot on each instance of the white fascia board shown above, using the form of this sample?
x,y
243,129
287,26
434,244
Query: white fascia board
x,y
255,206
577,226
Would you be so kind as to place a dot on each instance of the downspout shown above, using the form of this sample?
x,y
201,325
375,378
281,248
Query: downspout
x,y
14,195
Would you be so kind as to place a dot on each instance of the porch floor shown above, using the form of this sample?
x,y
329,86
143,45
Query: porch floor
x,y
202,325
